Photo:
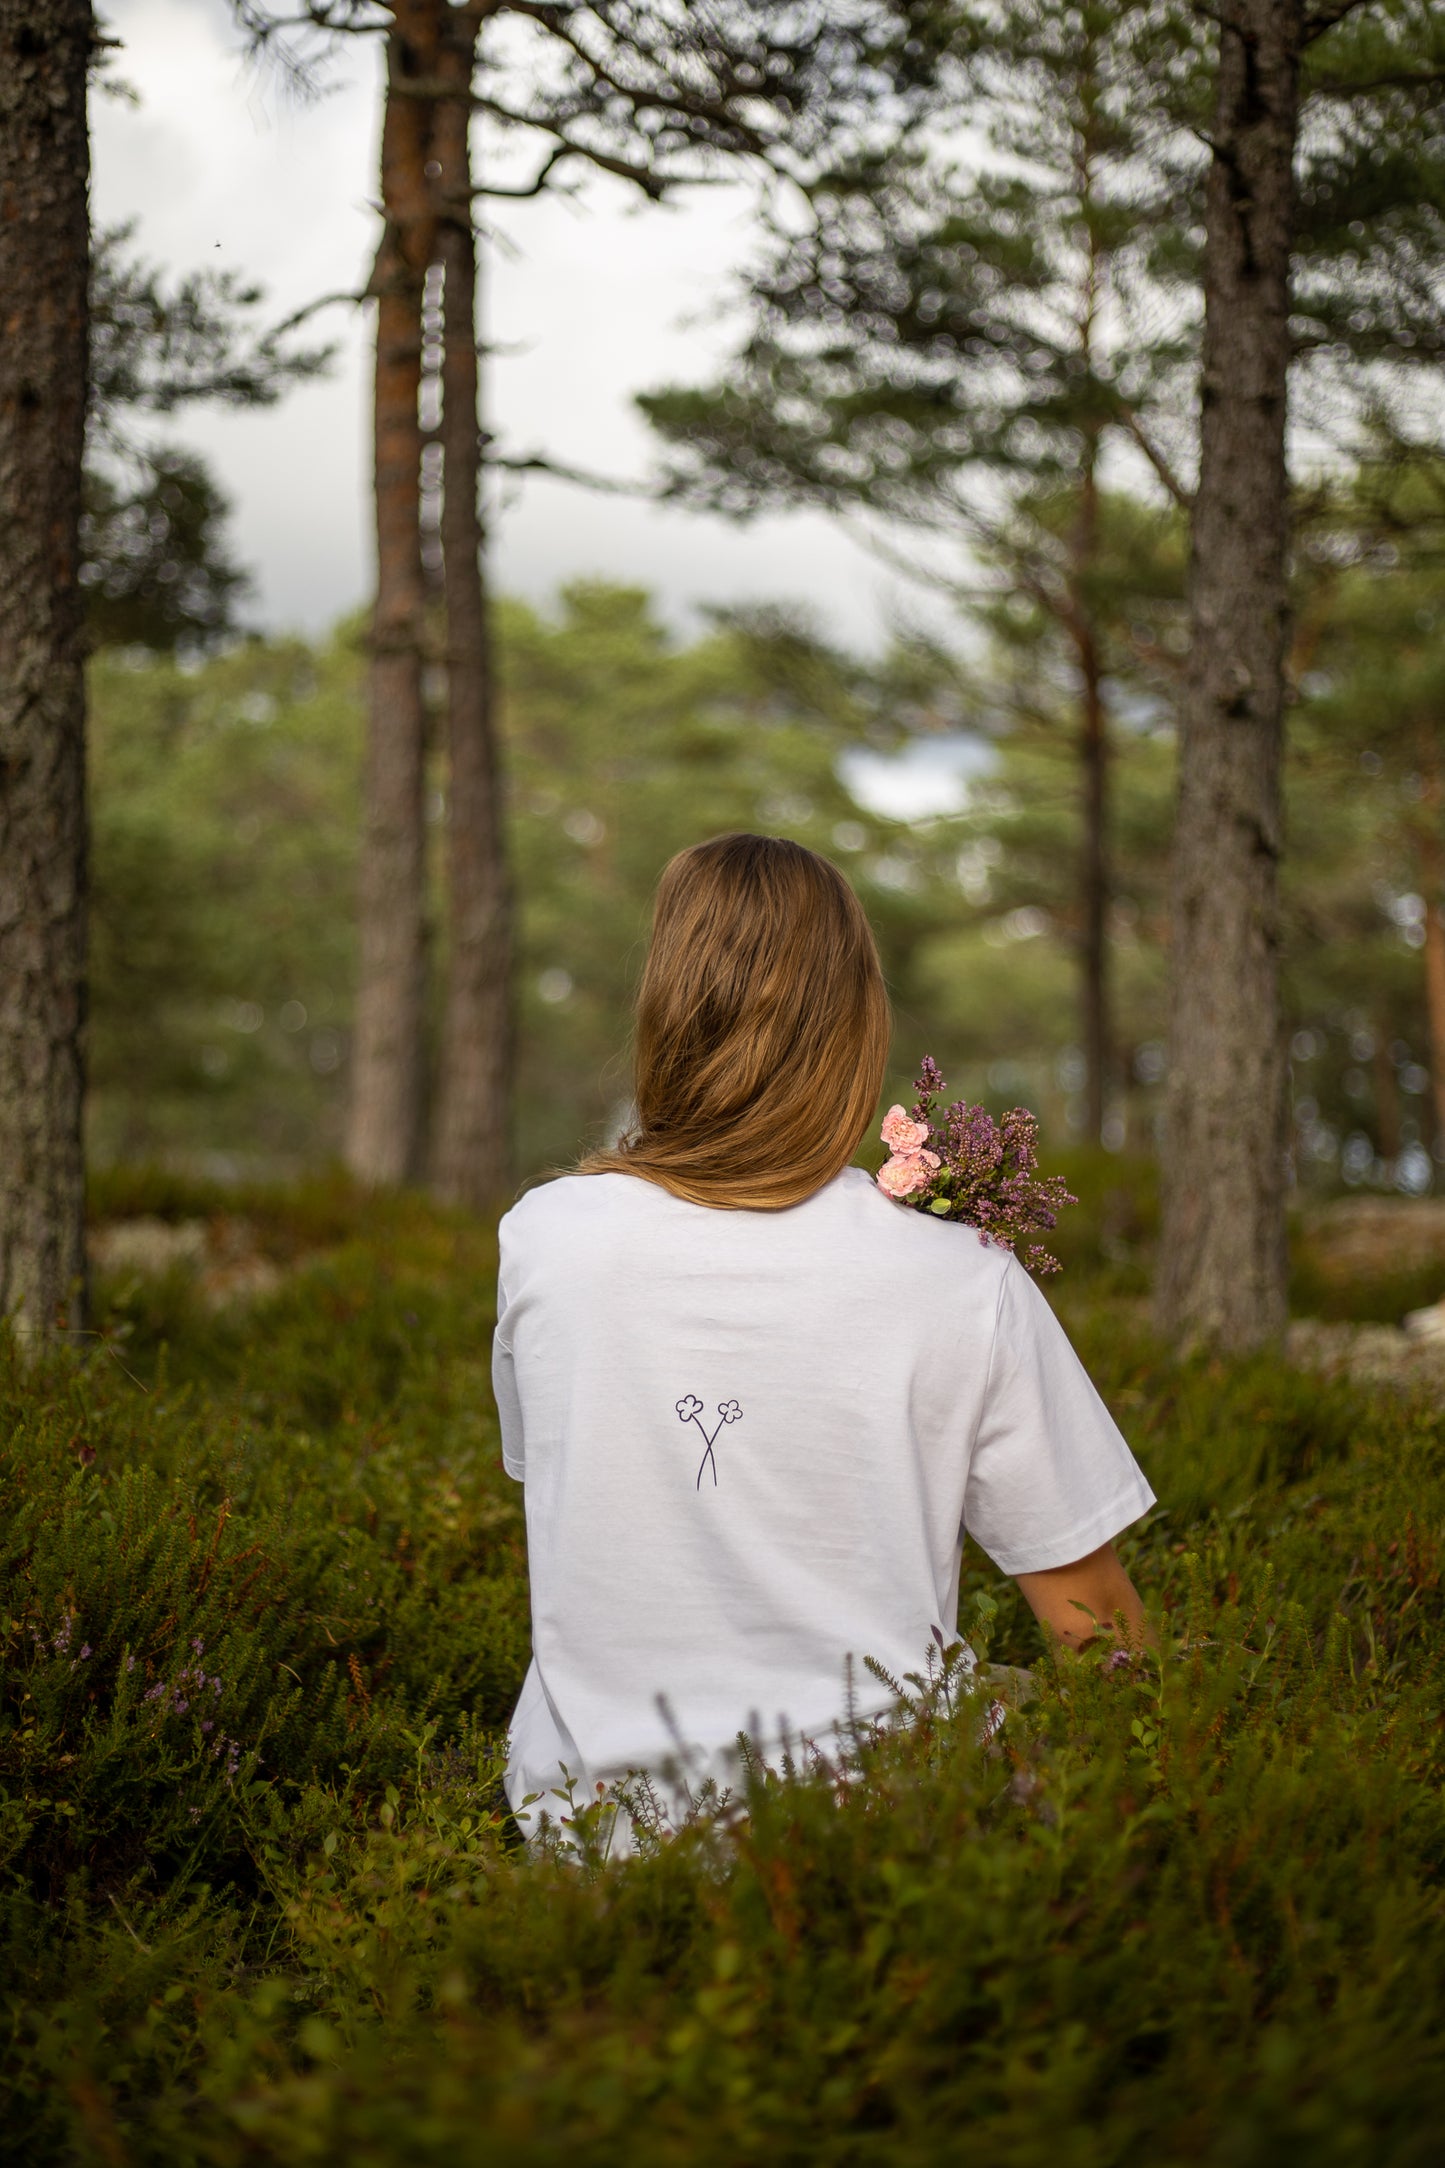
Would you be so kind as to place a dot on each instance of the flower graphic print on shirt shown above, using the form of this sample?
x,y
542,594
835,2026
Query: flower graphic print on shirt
x,y
689,1410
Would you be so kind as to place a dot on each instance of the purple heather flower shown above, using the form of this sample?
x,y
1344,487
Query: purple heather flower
x,y
987,1178
208,1723
198,1648
180,1705
85,1650
1119,1659
130,1663
156,1691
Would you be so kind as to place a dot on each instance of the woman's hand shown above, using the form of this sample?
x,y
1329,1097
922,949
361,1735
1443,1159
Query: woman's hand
x,y
1080,1602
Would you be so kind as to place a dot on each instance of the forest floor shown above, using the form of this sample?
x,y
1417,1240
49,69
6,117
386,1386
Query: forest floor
x,y
263,1616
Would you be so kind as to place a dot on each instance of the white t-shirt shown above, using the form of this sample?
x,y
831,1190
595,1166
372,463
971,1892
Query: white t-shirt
x,y
751,1444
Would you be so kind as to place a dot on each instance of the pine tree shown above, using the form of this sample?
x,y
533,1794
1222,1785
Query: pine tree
x,y
1371,657
156,568
45,54
1324,249
965,350
657,95
900,355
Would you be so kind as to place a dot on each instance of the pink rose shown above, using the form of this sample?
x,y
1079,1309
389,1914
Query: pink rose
x,y
902,1135
906,1172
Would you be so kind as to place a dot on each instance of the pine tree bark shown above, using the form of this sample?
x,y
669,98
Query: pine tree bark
x,y
386,1112
1430,859
471,1155
1094,881
1387,1093
45,50
1094,868
1222,1258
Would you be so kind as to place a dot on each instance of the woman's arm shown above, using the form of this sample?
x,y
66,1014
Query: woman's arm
x,y
1099,1584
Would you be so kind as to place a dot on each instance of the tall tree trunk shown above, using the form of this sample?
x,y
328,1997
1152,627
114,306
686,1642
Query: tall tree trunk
x,y
1094,872
1430,858
1094,750
1222,1261
384,1128
471,1155
1387,1091
44,275
1094,764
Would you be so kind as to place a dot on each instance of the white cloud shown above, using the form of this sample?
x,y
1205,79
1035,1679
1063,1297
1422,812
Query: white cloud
x,y
601,299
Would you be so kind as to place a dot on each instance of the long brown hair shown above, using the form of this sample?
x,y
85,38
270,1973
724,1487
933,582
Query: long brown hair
x,y
762,1028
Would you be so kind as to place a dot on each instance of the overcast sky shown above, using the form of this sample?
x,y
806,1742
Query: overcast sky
x,y
219,165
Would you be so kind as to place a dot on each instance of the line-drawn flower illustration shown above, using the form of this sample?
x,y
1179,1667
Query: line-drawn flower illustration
x,y
689,1410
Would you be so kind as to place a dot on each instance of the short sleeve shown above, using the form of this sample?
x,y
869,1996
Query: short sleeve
x,y
1050,1478
504,1388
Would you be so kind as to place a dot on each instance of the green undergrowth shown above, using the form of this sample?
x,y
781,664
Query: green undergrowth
x,y
1110,1239
263,1607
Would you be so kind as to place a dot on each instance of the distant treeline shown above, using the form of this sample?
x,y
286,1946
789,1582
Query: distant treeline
x,y
225,810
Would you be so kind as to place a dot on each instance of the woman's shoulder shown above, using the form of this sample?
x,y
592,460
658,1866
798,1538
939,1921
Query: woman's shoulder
x,y
569,1201
905,1241
848,1220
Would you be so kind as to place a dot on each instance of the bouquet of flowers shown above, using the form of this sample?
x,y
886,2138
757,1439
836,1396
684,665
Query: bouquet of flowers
x,y
963,1165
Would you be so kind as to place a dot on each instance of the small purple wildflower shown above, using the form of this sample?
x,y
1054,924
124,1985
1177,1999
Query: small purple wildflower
x,y
130,1663
85,1650
180,1705
208,1723
985,1174
62,1640
156,1691
1118,1660
198,1648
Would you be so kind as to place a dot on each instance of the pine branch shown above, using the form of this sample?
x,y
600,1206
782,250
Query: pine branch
x,y
535,187
559,471
1323,15
1401,79
1155,456
314,308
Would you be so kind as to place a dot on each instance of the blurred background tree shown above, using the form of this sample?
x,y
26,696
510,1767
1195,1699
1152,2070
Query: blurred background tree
x,y
1370,662
227,806
226,838
661,97
156,567
965,346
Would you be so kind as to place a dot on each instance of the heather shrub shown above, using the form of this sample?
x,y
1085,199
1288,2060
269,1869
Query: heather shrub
x,y
1187,1907
240,1559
